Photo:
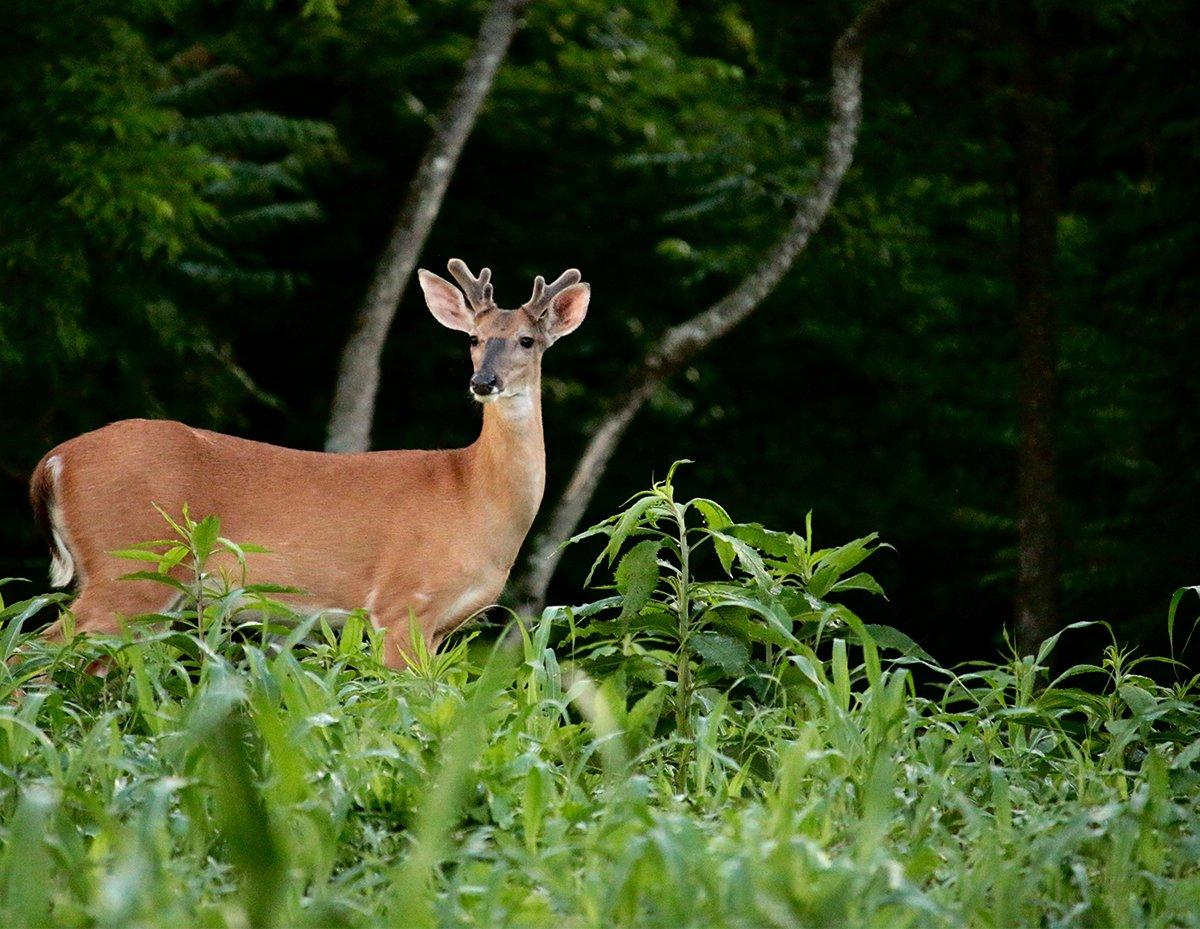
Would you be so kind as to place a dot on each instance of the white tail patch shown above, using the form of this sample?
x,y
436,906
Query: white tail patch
x,y
62,564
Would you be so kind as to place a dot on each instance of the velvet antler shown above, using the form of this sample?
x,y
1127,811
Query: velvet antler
x,y
537,304
477,289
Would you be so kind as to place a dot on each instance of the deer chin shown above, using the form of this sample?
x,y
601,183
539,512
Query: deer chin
x,y
496,397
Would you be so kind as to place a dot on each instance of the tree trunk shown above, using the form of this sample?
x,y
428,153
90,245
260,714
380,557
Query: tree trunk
x,y
680,343
1037,225
358,374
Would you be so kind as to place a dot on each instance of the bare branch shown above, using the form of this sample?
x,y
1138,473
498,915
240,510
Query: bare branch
x,y
358,373
680,343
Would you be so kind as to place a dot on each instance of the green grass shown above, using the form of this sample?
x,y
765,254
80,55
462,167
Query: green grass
x,y
741,751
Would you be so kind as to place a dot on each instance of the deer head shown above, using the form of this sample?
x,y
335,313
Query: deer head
x,y
506,345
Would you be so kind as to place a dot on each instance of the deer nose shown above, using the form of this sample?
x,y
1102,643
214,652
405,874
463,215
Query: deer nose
x,y
484,383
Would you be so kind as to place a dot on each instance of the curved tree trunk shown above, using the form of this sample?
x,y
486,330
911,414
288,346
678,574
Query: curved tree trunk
x,y
358,373
680,343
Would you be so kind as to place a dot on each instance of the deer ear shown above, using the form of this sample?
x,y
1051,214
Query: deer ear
x,y
567,310
445,302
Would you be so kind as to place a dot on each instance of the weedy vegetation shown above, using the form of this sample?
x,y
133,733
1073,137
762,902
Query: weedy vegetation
x,y
719,740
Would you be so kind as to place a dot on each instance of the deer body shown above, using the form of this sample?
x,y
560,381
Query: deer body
x,y
431,534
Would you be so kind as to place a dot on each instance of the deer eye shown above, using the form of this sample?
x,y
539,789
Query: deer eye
x,y
474,341
526,341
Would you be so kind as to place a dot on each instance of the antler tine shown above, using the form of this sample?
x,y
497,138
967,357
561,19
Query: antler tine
x,y
543,293
477,289
539,288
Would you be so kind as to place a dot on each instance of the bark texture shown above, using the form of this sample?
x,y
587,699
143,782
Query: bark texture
x,y
1037,228
682,342
358,374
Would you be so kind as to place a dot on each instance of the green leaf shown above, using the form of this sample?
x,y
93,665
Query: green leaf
x,y
28,857
1187,756
1140,701
643,717
239,550
730,655
139,553
832,564
748,558
271,589
171,559
668,483
1047,646
1173,609
865,640
204,537
767,541
715,517
889,637
255,131
566,613
604,528
154,576
637,576
744,628
13,617
773,612
629,521
859,581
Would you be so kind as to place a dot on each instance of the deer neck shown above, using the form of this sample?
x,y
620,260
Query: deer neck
x,y
508,465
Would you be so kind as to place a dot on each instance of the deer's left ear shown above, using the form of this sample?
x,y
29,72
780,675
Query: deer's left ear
x,y
445,302
567,310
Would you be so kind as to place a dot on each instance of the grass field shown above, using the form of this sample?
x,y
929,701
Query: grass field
x,y
717,741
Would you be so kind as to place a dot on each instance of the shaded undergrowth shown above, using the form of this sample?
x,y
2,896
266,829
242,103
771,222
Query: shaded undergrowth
x,y
740,749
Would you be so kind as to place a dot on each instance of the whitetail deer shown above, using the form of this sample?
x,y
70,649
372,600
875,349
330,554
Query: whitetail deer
x,y
431,532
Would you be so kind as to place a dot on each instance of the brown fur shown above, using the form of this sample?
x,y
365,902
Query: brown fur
x,y
431,532
41,498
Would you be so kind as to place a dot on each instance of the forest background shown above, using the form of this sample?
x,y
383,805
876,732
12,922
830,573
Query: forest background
x,y
195,196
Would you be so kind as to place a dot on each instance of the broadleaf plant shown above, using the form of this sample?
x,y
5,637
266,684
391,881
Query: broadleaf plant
x,y
774,597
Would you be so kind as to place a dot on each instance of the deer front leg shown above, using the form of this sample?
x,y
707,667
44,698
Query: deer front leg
x,y
400,625
435,612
